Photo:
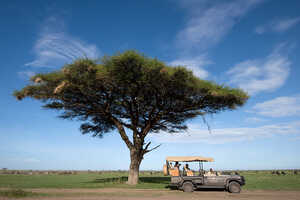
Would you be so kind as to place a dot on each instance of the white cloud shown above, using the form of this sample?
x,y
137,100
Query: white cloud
x,y
255,120
207,26
260,75
26,74
208,22
279,107
196,64
278,25
55,47
198,134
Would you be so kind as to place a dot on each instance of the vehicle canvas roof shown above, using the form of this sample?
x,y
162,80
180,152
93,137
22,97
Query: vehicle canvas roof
x,y
189,159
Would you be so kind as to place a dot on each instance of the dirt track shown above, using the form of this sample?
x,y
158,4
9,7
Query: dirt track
x,y
125,194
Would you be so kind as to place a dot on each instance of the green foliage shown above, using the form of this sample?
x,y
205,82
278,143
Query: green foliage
x,y
132,90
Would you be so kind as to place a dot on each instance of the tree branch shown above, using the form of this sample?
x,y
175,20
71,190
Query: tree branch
x,y
122,133
147,146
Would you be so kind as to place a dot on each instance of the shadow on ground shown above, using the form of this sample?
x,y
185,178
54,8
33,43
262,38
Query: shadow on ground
x,y
211,190
122,179
161,180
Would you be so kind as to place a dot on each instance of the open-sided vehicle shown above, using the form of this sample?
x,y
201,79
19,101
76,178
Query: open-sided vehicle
x,y
188,180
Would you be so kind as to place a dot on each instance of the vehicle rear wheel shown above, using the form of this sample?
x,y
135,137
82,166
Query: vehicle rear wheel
x,y
188,187
234,187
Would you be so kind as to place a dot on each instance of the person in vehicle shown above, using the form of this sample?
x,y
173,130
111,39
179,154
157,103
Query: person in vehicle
x,y
187,167
188,171
211,172
174,171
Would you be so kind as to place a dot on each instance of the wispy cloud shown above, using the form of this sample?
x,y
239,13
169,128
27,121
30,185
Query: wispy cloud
x,y
26,74
207,23
55,46
278,26
197,134
255,120
284,106
208,26
260,75
196,64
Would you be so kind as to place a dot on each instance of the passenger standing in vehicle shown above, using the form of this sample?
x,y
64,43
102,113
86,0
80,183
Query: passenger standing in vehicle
x,y
176,168
187,167
177,165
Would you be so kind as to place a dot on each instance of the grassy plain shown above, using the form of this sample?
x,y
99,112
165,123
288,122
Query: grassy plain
x,y
255,180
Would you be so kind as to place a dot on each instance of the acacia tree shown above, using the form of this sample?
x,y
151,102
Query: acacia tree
x,y
132,93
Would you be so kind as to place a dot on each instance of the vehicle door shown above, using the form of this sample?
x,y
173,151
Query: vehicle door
x,y
197,180
213,180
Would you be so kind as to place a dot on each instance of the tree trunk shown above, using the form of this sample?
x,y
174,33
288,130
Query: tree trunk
x,y
134,168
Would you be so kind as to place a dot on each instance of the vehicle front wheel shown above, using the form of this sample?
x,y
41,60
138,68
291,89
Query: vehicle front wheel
x,y
188,187
234,187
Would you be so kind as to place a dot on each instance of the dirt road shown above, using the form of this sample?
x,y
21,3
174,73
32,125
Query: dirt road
x,y
126,194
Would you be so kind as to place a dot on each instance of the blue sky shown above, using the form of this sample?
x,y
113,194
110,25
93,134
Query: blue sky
x,y
250,44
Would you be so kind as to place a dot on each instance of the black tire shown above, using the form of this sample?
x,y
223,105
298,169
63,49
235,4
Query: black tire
x,y
234,187
188,187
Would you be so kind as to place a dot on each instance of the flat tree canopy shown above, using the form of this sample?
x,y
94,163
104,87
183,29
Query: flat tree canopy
x,y
129,91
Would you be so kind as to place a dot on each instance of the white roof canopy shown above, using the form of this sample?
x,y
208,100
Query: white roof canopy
x,y
189,159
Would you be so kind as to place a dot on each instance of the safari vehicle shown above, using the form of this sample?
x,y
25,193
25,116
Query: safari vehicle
x,y
188,180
